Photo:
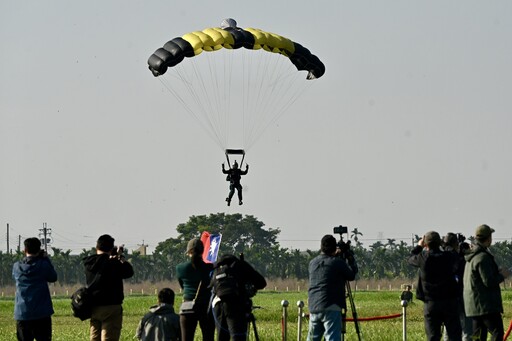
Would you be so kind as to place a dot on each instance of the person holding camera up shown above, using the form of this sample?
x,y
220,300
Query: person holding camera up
x,y
105,272
33,307
437,287
328,273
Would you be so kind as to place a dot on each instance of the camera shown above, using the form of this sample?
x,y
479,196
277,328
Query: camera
x,y
340,229
117,251
460,238
344,247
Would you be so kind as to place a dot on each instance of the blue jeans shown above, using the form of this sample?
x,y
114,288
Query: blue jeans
x,y
327,324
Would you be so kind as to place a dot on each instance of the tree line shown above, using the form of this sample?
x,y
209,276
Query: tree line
x,y
247,235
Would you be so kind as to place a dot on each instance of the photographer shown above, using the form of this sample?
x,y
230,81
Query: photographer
x,y
455,243
234,282
328,273
437,287
33,305
104,272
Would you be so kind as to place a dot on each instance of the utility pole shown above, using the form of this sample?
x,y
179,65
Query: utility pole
x,y
46,234
8,238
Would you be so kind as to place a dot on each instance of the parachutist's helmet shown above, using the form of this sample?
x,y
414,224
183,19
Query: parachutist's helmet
x,y
235,165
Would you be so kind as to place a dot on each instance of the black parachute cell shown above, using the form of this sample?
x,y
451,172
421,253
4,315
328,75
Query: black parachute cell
x,y
304,60
242,38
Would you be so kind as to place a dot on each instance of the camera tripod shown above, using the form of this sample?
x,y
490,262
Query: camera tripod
x,y
354,315
252,321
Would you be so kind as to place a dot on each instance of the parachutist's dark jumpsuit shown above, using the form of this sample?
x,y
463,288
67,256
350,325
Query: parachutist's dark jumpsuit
x,y
234,175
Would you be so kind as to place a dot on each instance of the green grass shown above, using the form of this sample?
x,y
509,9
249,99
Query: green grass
x,y
268,318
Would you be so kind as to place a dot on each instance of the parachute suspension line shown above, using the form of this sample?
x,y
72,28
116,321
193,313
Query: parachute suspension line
x,y
217,110
190,90
274,87
205,99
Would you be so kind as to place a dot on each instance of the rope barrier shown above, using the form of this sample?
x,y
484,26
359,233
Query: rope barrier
x,y
373,318
508,331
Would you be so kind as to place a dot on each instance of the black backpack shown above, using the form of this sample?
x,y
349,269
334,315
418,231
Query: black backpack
x,y
226,279
81,303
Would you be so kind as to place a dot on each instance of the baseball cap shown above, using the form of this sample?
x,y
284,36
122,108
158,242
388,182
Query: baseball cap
x,y
196,245
432,239
483,232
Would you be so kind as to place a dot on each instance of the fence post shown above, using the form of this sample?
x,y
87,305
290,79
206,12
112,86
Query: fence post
x,y
404,317
284,321
300,305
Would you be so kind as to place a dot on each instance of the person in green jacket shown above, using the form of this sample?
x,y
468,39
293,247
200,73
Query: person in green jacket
x,y
194,278
482,293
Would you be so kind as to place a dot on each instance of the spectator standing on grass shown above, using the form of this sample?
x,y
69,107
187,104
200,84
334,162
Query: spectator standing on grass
x,y
161,323
234,283
107,269
33,307
194,278
482,293
328,273
437,287
451,243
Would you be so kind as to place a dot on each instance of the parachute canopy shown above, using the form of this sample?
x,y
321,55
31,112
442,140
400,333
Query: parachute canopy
x,y
231,37
234,93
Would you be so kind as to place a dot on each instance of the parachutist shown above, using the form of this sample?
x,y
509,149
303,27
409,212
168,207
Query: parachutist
x,y
234,174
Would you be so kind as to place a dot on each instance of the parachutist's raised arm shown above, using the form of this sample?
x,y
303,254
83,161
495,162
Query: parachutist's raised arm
x,y
224,169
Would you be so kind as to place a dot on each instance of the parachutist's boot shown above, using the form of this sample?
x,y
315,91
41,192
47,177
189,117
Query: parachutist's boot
x,y
240,202
229,201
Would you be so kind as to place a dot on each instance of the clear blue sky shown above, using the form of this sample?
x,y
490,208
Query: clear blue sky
x,y
408,131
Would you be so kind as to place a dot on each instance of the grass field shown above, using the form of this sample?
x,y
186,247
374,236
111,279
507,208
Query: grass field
x,y
268,318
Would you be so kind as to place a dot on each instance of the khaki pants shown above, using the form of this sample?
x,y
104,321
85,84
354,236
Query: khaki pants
x,y
106,322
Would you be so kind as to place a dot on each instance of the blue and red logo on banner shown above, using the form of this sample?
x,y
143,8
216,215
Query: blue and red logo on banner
x,y
211,244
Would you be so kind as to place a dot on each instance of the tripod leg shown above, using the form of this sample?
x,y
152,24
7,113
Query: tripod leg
x,y
252,321
354,312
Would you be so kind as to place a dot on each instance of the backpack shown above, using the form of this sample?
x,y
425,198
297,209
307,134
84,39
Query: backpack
x,y
226,281
81,303
82,300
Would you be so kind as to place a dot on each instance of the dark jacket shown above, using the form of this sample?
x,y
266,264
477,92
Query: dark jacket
x,y
160,324
108,290
482,293
235,174
327,280
437,274
33,300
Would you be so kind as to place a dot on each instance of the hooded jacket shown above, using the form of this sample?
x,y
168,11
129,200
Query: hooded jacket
x,y
33,300
482,293
108,288
161,323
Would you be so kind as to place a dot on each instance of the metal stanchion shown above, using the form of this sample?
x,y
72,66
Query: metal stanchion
x,y
404,323
284,320
300,305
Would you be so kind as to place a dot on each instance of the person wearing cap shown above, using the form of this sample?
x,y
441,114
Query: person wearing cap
x,y
328,273
437,287
194,277
482,293
234,176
